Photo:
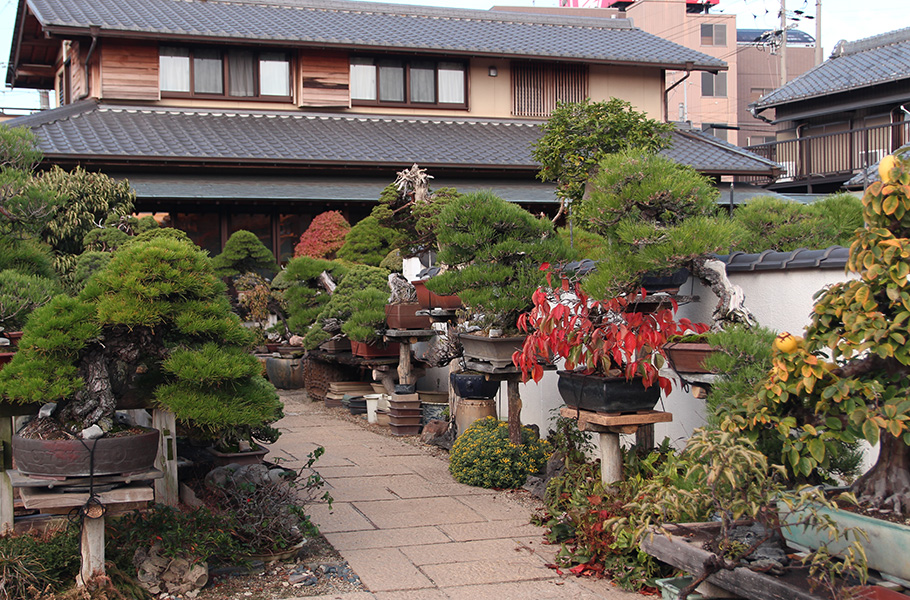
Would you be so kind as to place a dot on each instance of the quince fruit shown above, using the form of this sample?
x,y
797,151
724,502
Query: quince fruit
x,y
886,166
787,343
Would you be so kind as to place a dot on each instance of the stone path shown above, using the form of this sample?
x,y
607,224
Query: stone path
x,y
410,531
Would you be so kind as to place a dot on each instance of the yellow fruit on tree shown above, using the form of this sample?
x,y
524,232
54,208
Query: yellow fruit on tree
x,y
787,343
885,167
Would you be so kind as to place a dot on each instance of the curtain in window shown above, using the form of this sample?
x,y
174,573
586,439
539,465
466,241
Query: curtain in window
x,y
208,77
391,81
274,74
174,69
451,82
423,82
241,71
363,79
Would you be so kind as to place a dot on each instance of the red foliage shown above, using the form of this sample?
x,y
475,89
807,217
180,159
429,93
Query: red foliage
x,y
324,236
597,336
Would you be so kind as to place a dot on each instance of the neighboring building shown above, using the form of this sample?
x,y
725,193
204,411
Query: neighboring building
x,y
842,116
758,66
229,115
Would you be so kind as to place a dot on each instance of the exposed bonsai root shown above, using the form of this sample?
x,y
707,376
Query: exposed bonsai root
x,y
731,304
886,486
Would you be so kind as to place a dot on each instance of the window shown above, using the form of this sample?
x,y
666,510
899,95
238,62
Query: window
x,y
714,85
536,87
713,34
407,81
235,73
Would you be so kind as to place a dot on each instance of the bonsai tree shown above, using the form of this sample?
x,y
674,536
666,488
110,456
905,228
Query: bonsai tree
x,y
324,237
24,207
849,378
412,209
153,327
578,135
310,282
342,305
367,243
656,216
493,251
244,253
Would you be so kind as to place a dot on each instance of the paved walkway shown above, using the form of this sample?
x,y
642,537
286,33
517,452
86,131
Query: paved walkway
x,y
410,531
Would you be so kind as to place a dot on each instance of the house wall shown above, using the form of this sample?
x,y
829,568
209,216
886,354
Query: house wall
x,y
128,70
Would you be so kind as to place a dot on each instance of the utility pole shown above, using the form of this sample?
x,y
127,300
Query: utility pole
x,y
783,43
818,33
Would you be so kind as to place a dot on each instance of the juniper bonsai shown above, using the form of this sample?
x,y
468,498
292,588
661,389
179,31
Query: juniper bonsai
x,y
244,253
153,327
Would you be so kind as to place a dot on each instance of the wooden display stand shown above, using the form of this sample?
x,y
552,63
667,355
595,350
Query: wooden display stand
x,y
406,338
40,494
608,427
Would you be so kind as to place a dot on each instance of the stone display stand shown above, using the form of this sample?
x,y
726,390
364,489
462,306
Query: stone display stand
x,y
608,427
40,494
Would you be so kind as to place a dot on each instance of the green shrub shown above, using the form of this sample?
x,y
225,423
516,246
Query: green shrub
x,y
483,456
30,563
21,294
494,250
367,315
367,243
303,294
244,253
342,303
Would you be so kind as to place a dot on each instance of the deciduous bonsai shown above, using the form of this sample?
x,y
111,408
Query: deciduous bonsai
x,y
153,327
848,379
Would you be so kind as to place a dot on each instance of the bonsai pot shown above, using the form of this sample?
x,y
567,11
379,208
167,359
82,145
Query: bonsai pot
x,y
474,385
665,283
497,350
687,357
427,299
336,345
606,394
365,350
133,453
886,550
285,373
404,316
249,457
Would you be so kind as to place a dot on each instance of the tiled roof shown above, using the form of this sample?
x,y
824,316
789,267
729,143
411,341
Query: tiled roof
x,y
870,174
93,132
349,24
871,61
833,257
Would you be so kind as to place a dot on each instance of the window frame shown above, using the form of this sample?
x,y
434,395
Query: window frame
x,y
407,61
714,77
715,27
557,83
225,75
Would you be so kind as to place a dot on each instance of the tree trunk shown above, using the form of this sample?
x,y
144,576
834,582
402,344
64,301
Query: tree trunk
x,y
731,304
887,484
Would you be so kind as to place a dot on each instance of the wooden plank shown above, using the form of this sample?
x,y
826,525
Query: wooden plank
x,y
675,551
92,548
167,488
20,480
512,387
616,419
324,79
6,487
35,499
610,458
129,70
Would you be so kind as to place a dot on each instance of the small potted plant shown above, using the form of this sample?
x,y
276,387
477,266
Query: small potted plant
x,y
492,251
612,354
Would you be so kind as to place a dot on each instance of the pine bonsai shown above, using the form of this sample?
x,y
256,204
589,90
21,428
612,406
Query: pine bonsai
x,y
848,379
367,243
153,327
304,294
244,253
343,302
493,251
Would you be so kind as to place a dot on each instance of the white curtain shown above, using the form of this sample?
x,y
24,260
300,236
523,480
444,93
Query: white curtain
x,y
174,69
241,68
274,74
363,79
208,77
423,82
451,82
391,81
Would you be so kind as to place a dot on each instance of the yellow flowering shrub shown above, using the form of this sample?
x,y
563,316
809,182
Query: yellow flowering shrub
x,y
484,457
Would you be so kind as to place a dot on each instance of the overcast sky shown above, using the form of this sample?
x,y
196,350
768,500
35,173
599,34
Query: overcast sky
x,y
841,19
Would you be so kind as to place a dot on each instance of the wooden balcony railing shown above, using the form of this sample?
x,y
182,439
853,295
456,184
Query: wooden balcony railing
x,y
844,153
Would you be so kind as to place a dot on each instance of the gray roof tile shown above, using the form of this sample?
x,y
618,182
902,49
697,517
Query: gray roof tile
x,y
101,132
374,25
833,257
871,61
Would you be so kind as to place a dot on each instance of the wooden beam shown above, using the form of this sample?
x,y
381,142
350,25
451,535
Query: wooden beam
x,y
642,417
167,488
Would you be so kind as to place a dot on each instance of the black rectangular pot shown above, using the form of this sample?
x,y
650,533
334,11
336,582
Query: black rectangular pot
x,y
606,394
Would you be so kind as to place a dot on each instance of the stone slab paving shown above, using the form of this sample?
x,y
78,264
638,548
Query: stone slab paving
x,y
410,531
